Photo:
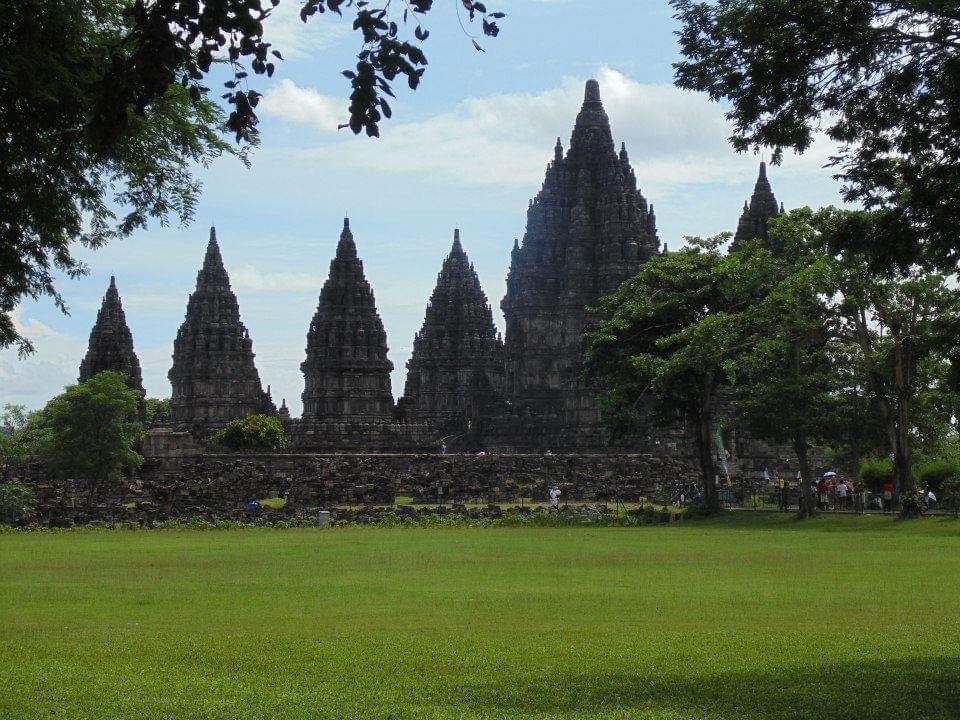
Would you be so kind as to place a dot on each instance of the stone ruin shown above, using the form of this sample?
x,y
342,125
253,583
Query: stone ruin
x,y
588,229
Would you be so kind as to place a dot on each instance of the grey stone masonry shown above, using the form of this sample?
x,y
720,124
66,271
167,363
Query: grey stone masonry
x,y
456,369
111,346
756,213
587,231
346,372
214,377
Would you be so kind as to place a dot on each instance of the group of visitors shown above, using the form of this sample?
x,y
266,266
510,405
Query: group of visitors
x,y
837,493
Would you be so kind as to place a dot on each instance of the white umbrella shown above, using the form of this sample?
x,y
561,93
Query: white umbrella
x,y
829,473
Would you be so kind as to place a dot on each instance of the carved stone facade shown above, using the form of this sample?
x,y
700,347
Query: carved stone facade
x,y
214,378
455,373
588,230
111,346
347,373
756,213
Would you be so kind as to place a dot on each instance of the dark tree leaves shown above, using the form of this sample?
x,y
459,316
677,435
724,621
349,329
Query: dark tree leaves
x,y
880,78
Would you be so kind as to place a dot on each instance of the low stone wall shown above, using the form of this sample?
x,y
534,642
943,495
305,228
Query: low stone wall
x,y
222,485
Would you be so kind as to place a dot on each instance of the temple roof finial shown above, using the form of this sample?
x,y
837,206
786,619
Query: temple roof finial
x,y
591,93
456,241
763,169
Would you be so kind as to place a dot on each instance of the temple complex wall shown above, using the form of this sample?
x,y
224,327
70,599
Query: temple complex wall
x,y
221,485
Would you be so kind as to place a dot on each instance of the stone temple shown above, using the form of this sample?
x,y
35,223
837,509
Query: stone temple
x,y
213,377
588,229
111,346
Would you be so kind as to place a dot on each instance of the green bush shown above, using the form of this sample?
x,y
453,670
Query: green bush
x,y
933,473
254,432
17,503
911,504
876,471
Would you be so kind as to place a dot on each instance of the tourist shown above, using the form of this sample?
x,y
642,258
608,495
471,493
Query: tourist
x,y
823,490
930,498
784,495
888,488
859,497
554,496
842,496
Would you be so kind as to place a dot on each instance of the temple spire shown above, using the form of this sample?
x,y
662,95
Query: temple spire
x,y
457,361
111,346
591,92
214,378
346,371
587,230
762,206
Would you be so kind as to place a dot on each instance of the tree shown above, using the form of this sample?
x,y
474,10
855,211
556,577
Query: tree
x,y
105,115
90,432
71,155
253,432
898,322
783,374
157,411
881,76
664,337
21,435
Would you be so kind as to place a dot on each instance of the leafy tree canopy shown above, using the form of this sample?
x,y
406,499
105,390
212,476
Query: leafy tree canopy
x,y
157,411
253,432
880,78
89,431
664,336
782,372
105,114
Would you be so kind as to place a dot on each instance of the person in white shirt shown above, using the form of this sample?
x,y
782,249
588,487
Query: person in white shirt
x,y
554,496
842,495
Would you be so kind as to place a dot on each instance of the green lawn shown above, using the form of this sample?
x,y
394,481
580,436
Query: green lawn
x,y
742,617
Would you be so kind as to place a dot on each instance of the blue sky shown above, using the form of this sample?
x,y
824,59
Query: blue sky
x,y
467,149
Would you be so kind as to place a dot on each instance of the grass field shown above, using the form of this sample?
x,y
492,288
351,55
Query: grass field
x,y
751,616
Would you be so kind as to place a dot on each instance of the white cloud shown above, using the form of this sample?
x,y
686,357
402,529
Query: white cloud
x,y
33,380
250,278
675,137
288,101
297,39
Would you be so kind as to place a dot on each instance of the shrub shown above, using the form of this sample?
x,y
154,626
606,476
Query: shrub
x,y
933,473
911,504
876,471
17,503
253,432
951,495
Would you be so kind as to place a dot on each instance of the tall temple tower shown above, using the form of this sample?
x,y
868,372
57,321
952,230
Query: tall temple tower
x,y
587,231
756,213
347,373
456,369
213,376
111,346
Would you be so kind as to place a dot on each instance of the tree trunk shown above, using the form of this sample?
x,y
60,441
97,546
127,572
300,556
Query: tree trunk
x,y
902,463
800,447
707,468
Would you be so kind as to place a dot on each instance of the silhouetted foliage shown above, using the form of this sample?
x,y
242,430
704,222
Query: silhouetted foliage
x,y
105,113
881,78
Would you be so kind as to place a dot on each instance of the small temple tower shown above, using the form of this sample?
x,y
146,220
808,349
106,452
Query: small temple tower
x,y
214,377
347,373
756,213
111,346
456,369
587,231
